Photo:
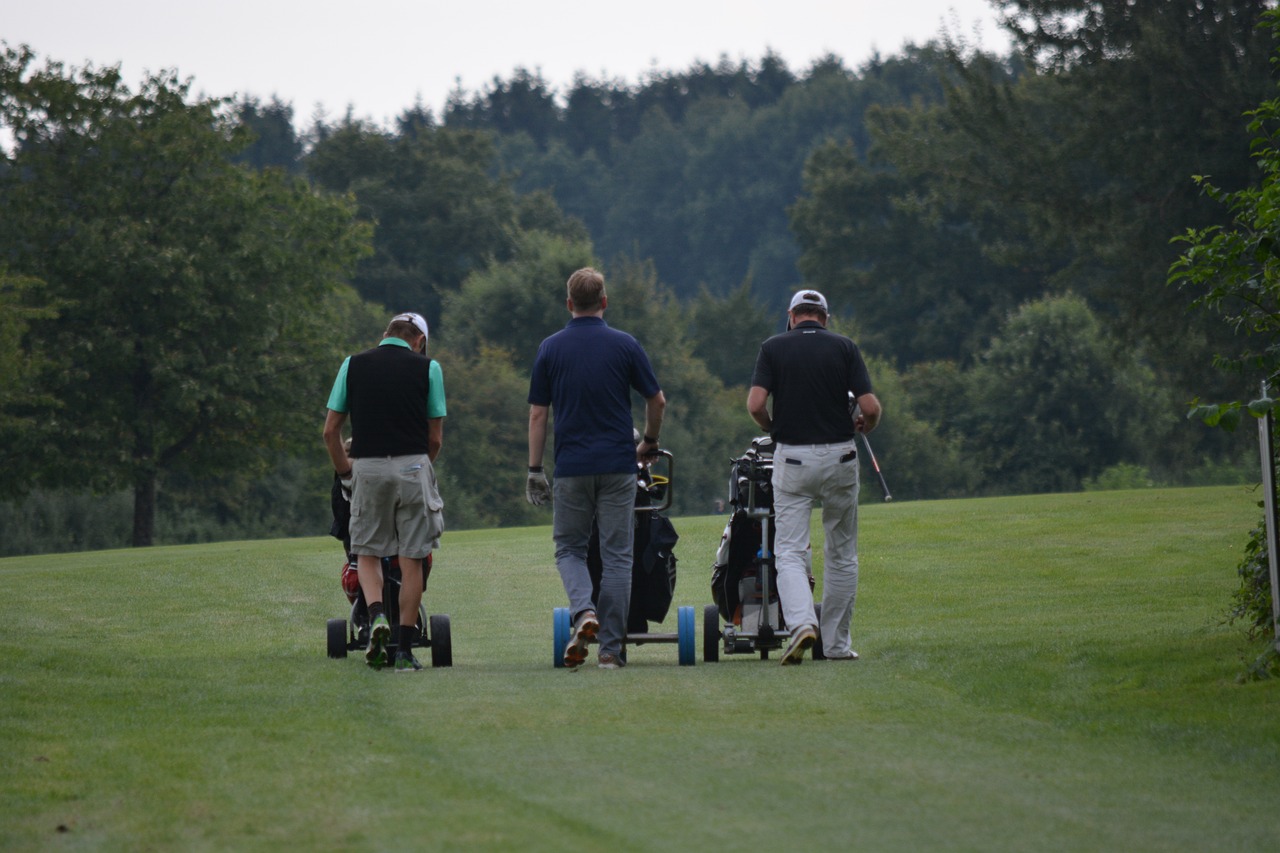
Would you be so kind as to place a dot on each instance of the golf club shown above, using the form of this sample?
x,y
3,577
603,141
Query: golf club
x,y
876,465
854,412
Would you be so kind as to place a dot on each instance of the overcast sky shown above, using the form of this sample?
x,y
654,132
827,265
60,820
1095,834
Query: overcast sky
x,y
380,56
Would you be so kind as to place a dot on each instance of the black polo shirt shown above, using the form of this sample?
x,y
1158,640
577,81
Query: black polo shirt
x,y
809,371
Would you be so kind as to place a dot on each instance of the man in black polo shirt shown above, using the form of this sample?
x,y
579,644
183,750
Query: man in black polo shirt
x,y
810,373
395,397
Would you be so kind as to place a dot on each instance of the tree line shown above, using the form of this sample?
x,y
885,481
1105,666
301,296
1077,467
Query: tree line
x,y
181,276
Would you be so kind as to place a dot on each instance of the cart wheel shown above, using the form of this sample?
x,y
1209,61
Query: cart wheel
x,y
816,649
441,642
711,633
337,629
559,635
687,629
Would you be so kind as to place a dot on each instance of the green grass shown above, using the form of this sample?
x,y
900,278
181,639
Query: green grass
x,y
1038,673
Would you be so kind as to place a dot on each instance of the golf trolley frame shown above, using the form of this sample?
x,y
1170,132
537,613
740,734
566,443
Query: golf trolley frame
x,y
659,487
757,624
352,634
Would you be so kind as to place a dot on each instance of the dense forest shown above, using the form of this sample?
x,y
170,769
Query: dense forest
x,y
181,277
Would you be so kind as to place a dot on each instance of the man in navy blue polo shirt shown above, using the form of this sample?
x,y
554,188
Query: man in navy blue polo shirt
x,y
585,373
810,373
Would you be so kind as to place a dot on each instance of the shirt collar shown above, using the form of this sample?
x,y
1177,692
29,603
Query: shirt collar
x,y
396,342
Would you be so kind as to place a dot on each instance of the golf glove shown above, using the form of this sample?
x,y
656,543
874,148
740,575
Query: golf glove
x,y
345,484
536,489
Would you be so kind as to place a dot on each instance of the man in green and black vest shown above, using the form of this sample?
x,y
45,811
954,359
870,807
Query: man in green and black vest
x,y
394,396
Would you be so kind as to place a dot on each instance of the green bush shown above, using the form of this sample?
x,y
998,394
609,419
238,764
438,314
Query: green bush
x,y
1251,603
1122,476
47,521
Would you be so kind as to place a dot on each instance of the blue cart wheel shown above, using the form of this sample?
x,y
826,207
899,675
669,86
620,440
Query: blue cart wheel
x,y
560,634
688,632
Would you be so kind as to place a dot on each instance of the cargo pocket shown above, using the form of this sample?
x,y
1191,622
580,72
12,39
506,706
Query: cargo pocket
x,y
433,505
353,509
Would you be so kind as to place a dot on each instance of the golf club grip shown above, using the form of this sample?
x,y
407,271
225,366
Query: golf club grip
x,y
875,464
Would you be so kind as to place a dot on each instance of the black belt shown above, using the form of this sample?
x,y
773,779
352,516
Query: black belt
x,y
848,457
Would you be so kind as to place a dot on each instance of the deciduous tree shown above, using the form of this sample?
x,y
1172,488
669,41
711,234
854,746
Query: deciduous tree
x,y
440,214
201,303
1084,160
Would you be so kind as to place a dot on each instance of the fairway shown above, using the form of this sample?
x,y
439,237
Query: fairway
x,y
1038,673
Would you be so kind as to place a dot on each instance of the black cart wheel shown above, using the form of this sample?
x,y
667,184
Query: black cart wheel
x,y
711,633
441,643
337,632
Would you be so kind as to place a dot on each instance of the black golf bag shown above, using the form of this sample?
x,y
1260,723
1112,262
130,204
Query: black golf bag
x,y
738,579
653,567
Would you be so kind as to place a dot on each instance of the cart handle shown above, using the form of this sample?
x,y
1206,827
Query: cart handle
x,y
667,480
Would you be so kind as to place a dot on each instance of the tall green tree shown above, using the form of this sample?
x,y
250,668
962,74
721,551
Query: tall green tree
x,y
440,214
1081,165
275,141
482,465
199,298
919,460
27,369
648,180
522,104
726,332
1233,273
914,270
1054,400
514,305
695,168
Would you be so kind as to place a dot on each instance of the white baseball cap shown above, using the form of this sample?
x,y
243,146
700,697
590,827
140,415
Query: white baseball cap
x,y
415,319
809,297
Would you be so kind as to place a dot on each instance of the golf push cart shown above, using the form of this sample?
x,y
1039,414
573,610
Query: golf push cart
x,y
352,634
744,580
653,572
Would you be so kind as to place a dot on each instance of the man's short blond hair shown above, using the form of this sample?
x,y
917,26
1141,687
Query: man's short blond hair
x,y
586,290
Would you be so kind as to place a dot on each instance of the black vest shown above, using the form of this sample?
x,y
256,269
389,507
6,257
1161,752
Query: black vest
x,y
387,389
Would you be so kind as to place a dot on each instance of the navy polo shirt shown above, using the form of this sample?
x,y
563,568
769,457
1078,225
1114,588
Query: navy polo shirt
x,y
585,373
809,371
